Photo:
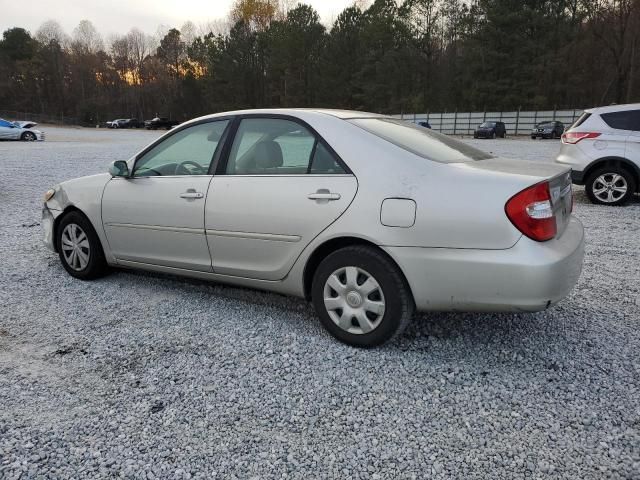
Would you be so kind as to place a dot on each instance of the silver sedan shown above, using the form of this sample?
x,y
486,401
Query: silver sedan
x,y
367,216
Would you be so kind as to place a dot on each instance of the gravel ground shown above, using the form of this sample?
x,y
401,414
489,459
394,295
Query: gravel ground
x,y
147,376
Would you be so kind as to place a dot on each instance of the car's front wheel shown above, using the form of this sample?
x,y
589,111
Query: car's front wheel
x,y
79,247
28,137
610,186
361,296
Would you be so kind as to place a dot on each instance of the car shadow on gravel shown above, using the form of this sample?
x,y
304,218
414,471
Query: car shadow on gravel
x,y
426,333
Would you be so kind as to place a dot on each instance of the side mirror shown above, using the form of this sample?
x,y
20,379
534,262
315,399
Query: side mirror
x,y
119,168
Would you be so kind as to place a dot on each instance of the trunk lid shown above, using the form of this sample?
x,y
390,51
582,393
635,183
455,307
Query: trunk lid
x,y
558,176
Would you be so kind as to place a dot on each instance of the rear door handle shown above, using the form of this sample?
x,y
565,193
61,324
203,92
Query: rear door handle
x,y
324,194
191,194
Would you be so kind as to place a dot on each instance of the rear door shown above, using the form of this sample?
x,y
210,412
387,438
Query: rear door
x,y
614,139
277,188
632,147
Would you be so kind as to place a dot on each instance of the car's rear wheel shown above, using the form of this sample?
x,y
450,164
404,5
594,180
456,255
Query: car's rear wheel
x,y
361,296
610,186
28,137
79,247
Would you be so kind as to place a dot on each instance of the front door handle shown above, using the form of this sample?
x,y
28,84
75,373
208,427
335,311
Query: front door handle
x,y
191,194
323,195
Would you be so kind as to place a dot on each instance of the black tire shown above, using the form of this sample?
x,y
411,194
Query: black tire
x,y
96,266
493,136
399,306
592,182
533,137
28,137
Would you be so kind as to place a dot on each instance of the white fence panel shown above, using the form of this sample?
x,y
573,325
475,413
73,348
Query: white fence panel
x,y
517,122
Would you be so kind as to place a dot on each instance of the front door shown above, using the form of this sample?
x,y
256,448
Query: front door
x,y
8,130
282,185
157,216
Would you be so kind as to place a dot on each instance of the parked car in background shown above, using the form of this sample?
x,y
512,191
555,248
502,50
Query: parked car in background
x,y
130,123
553,129
332,206
115,123
160,122
13,131
490,130
603,150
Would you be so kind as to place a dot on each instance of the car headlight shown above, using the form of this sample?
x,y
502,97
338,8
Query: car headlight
x,y
49,194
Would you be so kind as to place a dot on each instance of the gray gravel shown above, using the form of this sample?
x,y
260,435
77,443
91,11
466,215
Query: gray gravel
x,y
146,376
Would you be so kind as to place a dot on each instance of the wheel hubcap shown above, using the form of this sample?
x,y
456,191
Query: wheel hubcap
x,y
75,247
354,300
610,187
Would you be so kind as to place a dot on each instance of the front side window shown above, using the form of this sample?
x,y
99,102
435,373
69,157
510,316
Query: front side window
x,y
271,146
627,120
421,141
187,152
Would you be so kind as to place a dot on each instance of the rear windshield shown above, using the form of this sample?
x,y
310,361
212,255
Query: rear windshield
x,y
421,141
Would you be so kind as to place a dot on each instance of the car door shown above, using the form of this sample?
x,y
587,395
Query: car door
x,y
278,187
632,146
156,216
7,130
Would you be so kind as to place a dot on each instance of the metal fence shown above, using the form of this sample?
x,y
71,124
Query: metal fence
x,y
13,116
517,123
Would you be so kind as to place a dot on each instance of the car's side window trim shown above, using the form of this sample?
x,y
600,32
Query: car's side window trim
x,y
178,129
224,157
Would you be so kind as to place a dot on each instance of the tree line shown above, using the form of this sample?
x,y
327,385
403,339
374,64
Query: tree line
x,y
387,56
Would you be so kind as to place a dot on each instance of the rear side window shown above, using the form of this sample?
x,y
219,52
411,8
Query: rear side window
x,y
627,120
421,141
272,146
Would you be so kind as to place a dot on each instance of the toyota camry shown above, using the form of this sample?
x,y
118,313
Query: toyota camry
x,y
368,217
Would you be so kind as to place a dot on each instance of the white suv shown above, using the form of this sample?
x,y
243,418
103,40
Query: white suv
x,y
603,150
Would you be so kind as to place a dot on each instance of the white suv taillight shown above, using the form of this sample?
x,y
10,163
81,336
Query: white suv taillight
x,y
574,137
531,212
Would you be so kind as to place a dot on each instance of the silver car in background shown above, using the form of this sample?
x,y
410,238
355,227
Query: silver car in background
x,y
19,131
369,217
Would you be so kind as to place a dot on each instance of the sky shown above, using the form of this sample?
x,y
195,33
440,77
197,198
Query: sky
x,y
118,16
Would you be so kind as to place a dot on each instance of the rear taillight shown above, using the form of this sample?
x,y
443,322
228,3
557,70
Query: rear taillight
x,y
531,212
574,137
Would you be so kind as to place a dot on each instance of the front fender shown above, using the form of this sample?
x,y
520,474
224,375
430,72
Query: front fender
x,y
84,194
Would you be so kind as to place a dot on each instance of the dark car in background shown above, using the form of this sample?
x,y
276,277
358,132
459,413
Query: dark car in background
x,y
553,129
490,129
424,124
160,122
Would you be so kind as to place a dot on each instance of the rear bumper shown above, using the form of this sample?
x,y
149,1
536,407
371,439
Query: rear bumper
x,y
529,276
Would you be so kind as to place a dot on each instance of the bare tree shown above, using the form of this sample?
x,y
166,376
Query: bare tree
x,y
86,38
51,31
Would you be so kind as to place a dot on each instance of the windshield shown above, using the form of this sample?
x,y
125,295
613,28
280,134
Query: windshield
x,y
421,141
488,125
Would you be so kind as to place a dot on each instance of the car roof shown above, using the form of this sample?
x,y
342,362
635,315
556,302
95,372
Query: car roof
x,y
342,114
614,108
